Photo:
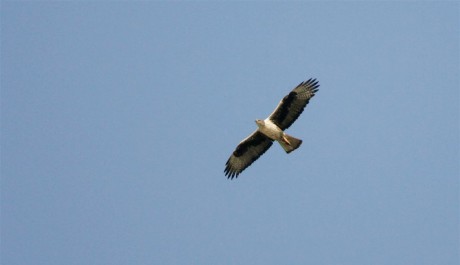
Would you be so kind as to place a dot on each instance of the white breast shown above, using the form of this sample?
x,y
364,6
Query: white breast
x,y
271,130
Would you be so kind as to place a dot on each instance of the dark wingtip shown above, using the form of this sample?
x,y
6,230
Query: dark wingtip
x,y
230,174
313,84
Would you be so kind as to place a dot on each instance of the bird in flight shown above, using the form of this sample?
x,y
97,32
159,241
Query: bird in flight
x,y
272,129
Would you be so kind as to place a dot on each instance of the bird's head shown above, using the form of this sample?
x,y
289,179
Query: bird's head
x,y
260,123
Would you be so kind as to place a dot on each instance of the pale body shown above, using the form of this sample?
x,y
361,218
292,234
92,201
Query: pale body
x,y
270,129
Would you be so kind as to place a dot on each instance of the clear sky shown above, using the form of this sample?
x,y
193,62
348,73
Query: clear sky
x,y
117,119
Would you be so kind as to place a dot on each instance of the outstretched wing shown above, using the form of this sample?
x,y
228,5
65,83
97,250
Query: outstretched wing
x,y
292,105
246,153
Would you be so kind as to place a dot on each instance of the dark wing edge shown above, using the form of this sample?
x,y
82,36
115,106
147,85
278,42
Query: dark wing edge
x,y
292,105
247,151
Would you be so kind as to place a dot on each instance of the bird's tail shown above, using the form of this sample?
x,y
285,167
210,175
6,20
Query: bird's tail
x,y
289,143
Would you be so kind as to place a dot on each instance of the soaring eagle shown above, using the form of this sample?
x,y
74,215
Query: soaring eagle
x,y
272,129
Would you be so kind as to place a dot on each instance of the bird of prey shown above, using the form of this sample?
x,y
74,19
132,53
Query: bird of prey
x,y
272,129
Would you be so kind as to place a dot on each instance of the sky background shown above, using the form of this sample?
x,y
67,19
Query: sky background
x,y
117,119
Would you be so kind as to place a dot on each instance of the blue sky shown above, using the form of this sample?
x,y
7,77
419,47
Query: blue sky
x,y
117,119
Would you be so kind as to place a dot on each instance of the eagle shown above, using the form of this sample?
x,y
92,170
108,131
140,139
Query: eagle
x,y
272,129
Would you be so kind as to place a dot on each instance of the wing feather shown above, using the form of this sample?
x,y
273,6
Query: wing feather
x,y
247,151
292,105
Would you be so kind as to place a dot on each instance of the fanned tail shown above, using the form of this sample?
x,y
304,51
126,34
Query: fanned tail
x,y
289,143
